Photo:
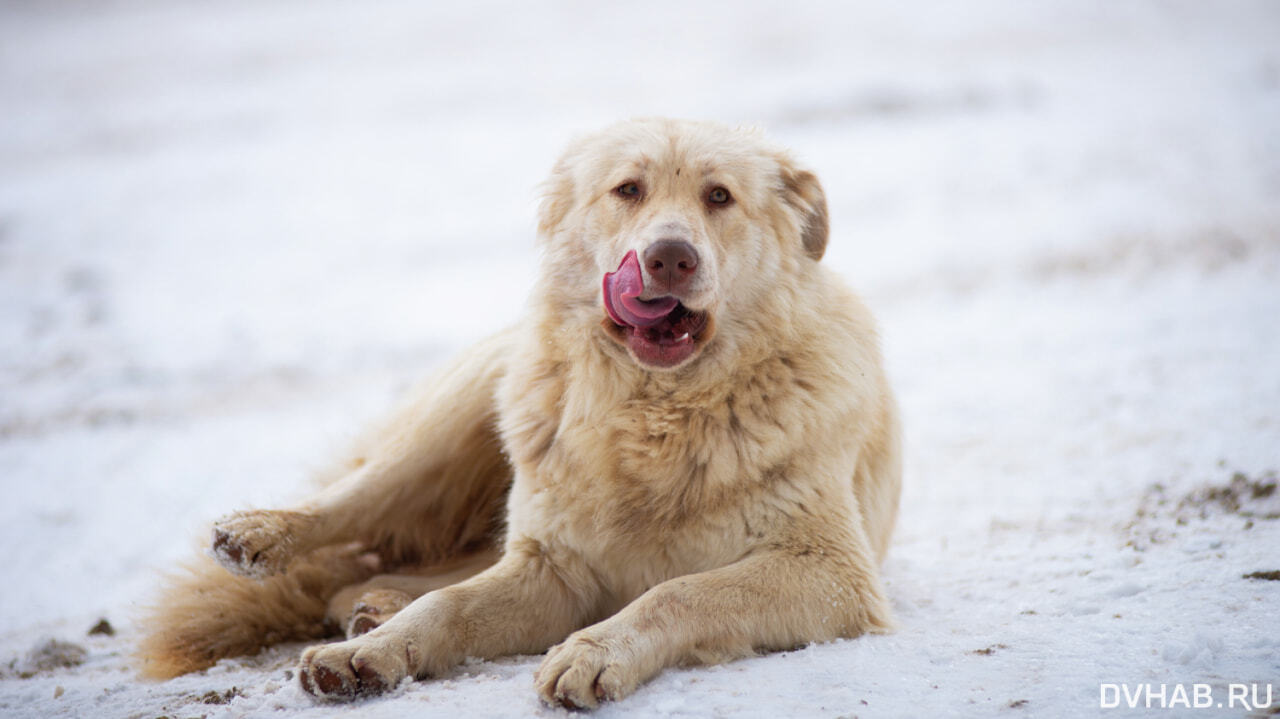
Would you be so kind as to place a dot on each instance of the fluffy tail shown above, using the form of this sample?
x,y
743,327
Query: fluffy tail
x,y
206,613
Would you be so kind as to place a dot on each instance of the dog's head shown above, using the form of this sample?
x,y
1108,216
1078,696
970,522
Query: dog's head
x,y
660,231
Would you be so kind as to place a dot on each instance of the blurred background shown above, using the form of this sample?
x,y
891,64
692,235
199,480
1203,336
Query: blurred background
x,y
231,232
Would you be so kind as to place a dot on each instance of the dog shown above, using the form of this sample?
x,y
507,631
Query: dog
x,y
687,452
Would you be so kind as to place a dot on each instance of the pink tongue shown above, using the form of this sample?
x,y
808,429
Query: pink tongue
x,y
621,290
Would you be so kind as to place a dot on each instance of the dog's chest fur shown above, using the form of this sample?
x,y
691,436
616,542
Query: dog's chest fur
x,y
656,483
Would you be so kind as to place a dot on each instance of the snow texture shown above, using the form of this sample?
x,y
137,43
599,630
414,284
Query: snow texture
x,y
231,233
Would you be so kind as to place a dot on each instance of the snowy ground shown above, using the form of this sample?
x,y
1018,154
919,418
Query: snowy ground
x,y
232,232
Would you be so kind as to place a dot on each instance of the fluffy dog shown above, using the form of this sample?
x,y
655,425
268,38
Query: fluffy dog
x,y
688,452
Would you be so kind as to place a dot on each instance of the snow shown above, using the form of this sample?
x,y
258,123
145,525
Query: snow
x,y
231,233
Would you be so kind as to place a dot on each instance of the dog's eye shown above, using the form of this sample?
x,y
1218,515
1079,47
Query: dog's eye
x,y
629,190
718,196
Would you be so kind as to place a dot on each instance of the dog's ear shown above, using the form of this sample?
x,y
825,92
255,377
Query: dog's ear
x,y
557,199
804,194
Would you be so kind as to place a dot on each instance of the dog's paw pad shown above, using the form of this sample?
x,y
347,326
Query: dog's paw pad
x,y
362,624
352,669
375,607
256,543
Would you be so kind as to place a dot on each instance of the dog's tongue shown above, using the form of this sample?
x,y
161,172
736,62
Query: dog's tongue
x,y
622,290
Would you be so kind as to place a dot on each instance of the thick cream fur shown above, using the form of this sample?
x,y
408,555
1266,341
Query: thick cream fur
x,y
736,503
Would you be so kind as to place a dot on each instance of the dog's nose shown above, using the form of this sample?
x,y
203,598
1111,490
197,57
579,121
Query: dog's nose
x,y
671,264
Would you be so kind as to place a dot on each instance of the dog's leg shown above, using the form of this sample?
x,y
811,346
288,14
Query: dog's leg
x,y
779,599
429,486
522,605
360,608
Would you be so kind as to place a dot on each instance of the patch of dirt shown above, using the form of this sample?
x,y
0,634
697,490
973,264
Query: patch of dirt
x,y
210,698
103,627
1243,496
988,651
223,697
183,705
48,655
1160,514
1272,575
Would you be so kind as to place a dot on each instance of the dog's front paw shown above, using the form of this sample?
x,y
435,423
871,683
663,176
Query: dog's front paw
x,y
355,668
585,670
258,543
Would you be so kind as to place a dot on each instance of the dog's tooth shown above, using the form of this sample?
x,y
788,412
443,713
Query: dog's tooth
x,y
682,337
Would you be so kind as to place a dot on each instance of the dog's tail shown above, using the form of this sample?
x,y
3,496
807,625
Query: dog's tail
x,y
205,613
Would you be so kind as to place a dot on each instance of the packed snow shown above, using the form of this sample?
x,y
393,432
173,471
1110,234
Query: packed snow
x,y
232,233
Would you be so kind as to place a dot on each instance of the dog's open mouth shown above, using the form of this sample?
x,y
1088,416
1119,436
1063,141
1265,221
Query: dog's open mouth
x,y
660,332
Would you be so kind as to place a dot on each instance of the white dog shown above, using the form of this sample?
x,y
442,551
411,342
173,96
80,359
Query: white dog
x,y
688,452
